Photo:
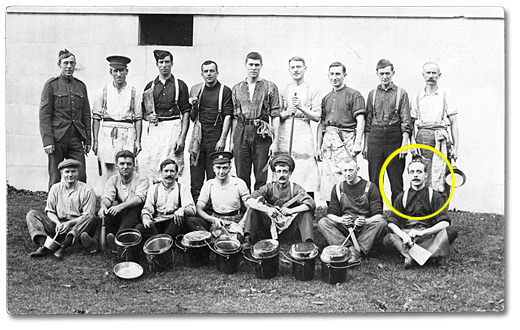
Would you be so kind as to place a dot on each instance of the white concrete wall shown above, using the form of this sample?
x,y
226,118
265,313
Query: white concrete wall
x,y
470,51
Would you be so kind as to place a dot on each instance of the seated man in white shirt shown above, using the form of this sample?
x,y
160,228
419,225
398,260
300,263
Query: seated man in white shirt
x,y
167,204
226,194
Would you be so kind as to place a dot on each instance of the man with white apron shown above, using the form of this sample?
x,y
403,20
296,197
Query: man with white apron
x,y
434,234
341,128
166,108
117,118
301,103
431,115
355,212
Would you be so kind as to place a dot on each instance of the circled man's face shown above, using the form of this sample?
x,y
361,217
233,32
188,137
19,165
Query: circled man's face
x,y
417,173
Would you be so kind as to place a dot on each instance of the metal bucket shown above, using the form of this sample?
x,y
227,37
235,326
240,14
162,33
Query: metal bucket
x,y
303,257
266,256
127,241
51,244
195,248
159,252
334,264
228,254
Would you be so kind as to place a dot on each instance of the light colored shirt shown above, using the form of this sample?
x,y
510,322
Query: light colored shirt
x,y
116,191
309,97
431,110
224,198
69,204
162,202
118,104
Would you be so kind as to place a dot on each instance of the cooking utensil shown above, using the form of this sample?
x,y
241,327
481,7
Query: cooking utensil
x,y
128,270
418,253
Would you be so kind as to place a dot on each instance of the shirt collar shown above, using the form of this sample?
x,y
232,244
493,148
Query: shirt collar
x,y
437,92
258,80
66,79
392,86
157,80
340,89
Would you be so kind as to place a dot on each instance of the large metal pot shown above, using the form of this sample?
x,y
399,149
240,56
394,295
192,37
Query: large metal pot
x,y
334,264
227,250
159,252
127,241
265,255
303,257
195,247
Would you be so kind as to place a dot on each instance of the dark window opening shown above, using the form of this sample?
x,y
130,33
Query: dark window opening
x,y
166,30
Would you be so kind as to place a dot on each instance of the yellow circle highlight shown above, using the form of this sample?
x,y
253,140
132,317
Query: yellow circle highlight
x,y
382,175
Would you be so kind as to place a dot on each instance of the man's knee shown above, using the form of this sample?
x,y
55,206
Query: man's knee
x,y
324,222
452,232
32,214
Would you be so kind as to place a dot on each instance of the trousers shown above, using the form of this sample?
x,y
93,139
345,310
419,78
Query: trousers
x,y
250,149
204,167
367,236
39,224
382,141
258,225
128,218
70,146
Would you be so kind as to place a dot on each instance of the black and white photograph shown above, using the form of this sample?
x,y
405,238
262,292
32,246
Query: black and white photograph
x,y
257,159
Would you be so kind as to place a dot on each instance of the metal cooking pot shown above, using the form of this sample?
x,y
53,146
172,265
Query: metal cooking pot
x,y
227,250
334,264
303,258
196,238
128,270
127,241
159,252
195,246
265,255
460,177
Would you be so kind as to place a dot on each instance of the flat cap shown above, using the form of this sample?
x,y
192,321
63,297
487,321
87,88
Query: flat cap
x,y
118,61
282,159
383,64
221,157
69,163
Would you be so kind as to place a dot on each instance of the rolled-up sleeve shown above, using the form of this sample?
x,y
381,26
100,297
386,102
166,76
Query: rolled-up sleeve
x,y
187,200
143,184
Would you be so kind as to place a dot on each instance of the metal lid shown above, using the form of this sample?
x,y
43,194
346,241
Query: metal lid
x,y
334,253
196,238
266,248
304,250
128,270
158,244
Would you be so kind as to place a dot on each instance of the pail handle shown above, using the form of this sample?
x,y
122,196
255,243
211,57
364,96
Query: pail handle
x,y
220,254
177,245
252,260
337,267
288,259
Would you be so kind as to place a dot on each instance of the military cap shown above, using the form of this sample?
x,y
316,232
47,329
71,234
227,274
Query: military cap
x,y
69,163
383,64
64,54
118,61
221,157
282,159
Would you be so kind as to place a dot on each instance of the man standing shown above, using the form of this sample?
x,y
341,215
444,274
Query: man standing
x,y
279,209
355,212
387,128
340,131
65,118
255,100
226,194
117,117
434,234
429,112
69,213
123,197
213,109
167,204
166,108
301,103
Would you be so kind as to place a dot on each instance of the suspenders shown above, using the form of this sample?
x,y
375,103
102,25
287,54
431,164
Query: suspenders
x,y
104,102
220,95
397,101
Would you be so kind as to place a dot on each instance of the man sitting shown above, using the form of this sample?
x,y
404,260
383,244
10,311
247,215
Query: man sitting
x,y
355,212
123,197
434,234
167,203
70,212
279,207
225,194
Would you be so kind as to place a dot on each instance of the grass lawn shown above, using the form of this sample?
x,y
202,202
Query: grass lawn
x,y
471,279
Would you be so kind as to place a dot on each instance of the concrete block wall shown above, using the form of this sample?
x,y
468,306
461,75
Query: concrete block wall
x,y
469,49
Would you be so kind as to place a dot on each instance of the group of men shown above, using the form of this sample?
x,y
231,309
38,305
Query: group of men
x,y
262,123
